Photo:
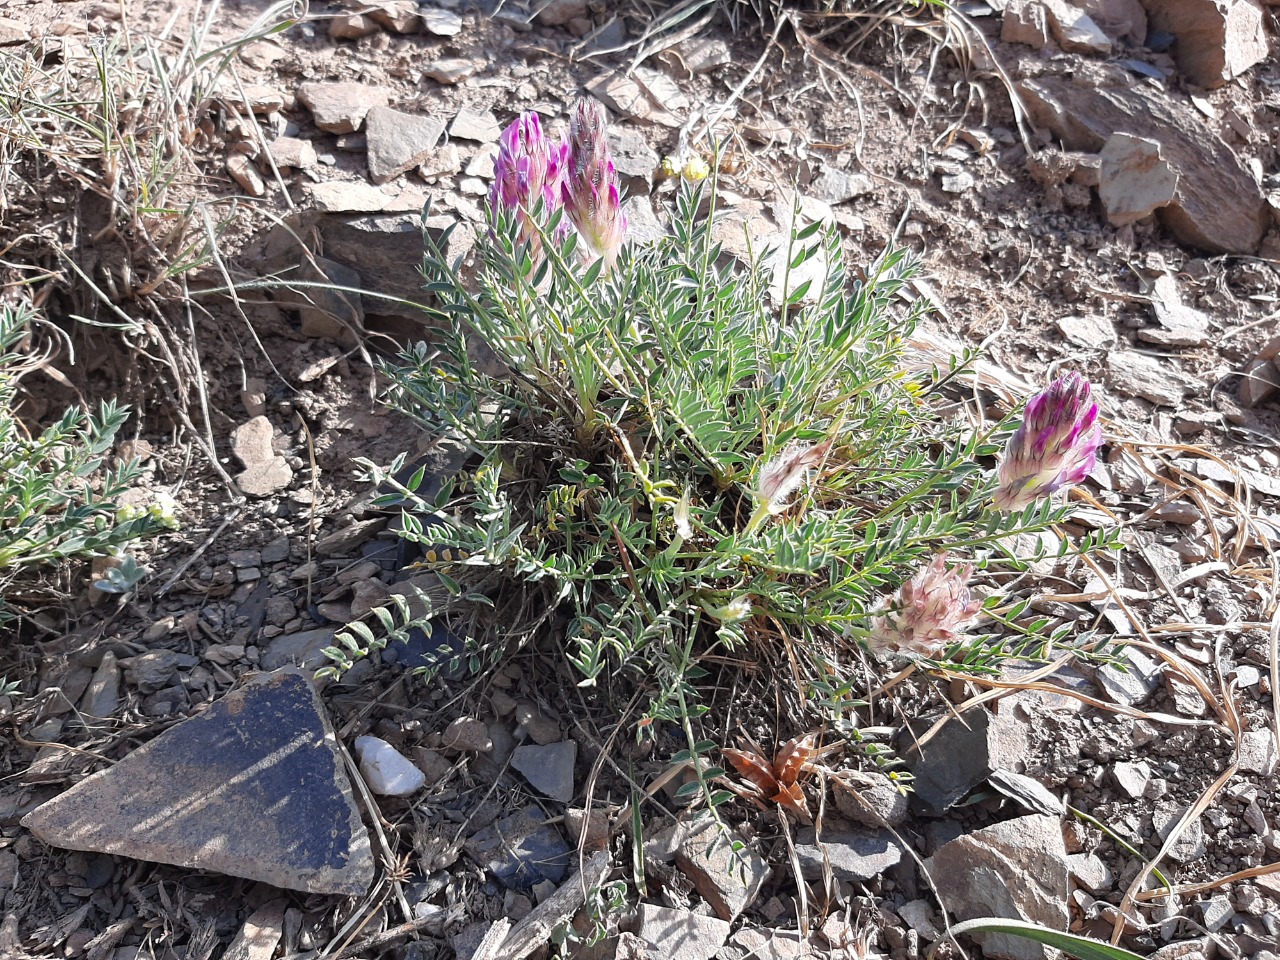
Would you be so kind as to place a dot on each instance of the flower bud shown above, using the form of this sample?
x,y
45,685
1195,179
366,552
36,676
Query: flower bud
x,y
590,190
1056,444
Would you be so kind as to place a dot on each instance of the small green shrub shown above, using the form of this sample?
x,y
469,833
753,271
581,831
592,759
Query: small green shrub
x,y
57,502
681,466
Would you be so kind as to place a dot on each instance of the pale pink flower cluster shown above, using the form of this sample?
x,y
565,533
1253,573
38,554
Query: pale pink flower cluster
x,y
578,176
929,613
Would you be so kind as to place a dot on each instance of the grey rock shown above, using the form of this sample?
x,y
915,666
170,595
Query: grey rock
x,y
1090,872
1157,379
1093,332
700,54
252,787
756,944
1190,843
1075,30
1258,752
679,934
243,172
633,158
155,670
1017,870
1025,22
557,13
520,850
729,880
387,771
1261,381
305,649
397,16
919,915
467,735
1217,911
1026,791
1135,180
341,107
549,769
441,23
539,727
351,26
13,33
472,124
452,70
102,698
1217,40
332,314
962,755
834,186
1132,778
251,441
858,856
398,141
1135,683
870,798
1218,205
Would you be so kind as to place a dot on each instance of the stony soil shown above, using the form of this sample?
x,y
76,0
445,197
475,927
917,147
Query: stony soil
x,y
896,141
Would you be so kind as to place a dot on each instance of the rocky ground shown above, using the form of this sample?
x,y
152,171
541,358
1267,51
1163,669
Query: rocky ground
x,y
1121,221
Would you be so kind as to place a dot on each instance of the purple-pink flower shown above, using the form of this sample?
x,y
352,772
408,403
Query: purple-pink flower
x,y
590,190
529,167
1055,446
929,613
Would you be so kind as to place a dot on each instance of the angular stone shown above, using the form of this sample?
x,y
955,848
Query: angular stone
x,y
102,698
520,850
341,107
557,13
1119,19
467,735
398,141
870,798
351,26
1261,381
290,152
728,880
1217,40
1258,752
1090,331
633,158
441,23
1132,778
251,441
253,787
387,771
398,16
451,70
471,124
858,856
12,32
1134,683
331,314
1218,205
1135,180
264,479
260,934
1074,29
305,649
833,185
1016,870
1190,843
549,769
1025,22
1157,379
961,755
679,934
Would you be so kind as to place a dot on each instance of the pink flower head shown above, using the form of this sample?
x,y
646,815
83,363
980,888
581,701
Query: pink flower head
x,y
1056,444
528,168
590,189
929,613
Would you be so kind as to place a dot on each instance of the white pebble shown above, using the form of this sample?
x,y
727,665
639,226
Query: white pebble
x,y
388,772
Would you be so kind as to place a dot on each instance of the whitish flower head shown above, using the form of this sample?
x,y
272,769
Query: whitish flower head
x,y
1056,444
735,611
784,474
529,167
930,612
590,189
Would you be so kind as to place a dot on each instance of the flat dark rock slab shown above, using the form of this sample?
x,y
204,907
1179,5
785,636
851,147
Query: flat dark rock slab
x,y
253,787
